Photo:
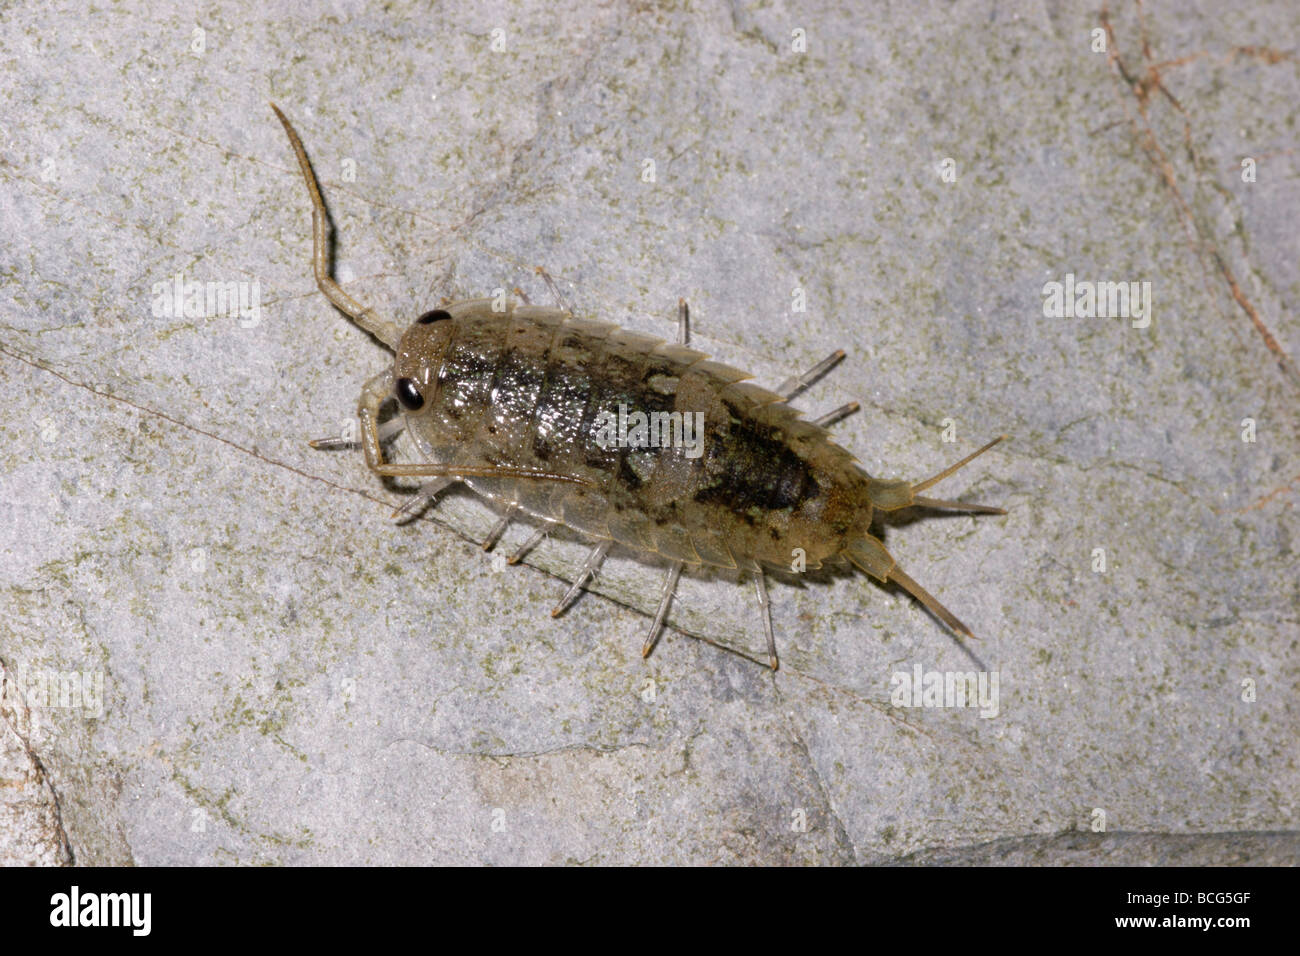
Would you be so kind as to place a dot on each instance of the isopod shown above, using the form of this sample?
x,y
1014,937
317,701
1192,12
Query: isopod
x,y
510,399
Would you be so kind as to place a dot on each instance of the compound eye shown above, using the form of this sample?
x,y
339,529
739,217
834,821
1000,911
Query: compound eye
x,y
437,315
408,395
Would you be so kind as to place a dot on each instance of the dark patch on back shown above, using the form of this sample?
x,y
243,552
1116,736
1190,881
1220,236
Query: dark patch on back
x,y
625,473
753,470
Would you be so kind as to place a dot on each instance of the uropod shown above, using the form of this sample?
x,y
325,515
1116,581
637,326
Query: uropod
x,y
516,401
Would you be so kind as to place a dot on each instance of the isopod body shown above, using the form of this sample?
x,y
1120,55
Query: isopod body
x,y
529,388
530,407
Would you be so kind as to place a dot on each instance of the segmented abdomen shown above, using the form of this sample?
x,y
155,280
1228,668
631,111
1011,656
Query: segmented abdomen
x,y
533,388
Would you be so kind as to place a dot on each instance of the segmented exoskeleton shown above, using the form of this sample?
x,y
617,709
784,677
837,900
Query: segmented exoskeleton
x,y
516,401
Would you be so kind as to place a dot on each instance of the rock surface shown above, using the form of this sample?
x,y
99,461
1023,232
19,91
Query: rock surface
x,y
235,657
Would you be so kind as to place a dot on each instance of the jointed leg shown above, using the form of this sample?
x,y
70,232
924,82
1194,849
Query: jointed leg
x,y
527,546
498,529
665,599
760,585
555,290
427,492
373,394
795,384
588,568
831,417
387,430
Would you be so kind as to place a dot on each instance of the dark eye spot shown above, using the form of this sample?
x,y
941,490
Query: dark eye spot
x,y
408,394
437,315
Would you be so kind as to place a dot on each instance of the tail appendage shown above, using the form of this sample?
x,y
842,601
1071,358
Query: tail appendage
x,y
869,554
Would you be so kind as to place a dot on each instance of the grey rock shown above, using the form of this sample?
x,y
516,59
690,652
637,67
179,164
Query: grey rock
x,y
288,678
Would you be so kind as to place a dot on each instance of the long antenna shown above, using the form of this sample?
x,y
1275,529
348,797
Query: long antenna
x,y
381,328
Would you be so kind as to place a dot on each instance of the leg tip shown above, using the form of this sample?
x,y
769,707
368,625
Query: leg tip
x,y
961,630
